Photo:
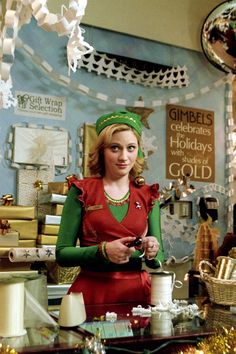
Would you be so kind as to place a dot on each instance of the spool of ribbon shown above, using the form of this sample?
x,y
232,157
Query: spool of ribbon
x,y
12,309
162,284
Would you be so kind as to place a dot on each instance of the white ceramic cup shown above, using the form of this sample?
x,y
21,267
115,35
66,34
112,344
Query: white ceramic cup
x,y
72,310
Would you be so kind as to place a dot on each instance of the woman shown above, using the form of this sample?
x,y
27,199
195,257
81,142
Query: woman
x,y
107,212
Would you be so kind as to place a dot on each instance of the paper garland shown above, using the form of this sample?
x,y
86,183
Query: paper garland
x,y
101,63
229,126
118,101
19,12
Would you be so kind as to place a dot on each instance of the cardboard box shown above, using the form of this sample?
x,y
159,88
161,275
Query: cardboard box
x,y
52,219
57,209
46,239
58,187
17,212
28,229
31,183
49,229
52,198
10,239
27,243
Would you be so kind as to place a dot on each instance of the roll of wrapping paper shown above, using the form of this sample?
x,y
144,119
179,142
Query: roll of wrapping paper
x,y
32,254
12,309
4,251
225,267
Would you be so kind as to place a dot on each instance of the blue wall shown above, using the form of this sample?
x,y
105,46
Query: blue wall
x,y
80,108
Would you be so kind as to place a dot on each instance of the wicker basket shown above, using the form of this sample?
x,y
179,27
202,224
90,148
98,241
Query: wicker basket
x,y
221,291
220,317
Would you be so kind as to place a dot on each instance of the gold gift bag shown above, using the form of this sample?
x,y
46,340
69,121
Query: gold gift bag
x,y
61,275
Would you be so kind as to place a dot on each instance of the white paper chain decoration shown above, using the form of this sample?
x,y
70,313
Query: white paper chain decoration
x,y
19,12
147,145
102,64
6,98
229,124
119,101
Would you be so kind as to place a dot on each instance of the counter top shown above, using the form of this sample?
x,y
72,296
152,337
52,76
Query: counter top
x,y
129,332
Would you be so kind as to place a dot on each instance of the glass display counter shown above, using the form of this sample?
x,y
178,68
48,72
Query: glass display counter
x,y
45,340
128,333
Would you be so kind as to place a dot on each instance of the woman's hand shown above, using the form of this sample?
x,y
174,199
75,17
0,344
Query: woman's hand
x,y
118,252
150,246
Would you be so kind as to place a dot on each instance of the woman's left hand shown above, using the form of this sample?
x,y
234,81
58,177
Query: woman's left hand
x,y
150,246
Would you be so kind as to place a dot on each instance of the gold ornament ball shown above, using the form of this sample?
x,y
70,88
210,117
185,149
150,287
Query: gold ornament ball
x,y
139,181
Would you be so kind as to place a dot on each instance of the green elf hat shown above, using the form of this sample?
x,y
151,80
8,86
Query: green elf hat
x,y
121,117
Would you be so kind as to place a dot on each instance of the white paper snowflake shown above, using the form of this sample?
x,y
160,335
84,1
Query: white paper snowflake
x,y
6,98
147,145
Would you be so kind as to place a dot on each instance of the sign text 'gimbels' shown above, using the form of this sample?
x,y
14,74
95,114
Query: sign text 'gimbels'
x,y
190,144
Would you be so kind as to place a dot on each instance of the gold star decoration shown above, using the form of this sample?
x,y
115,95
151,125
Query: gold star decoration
x,y
144,112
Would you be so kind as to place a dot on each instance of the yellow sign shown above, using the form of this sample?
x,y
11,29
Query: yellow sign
x,y
190,143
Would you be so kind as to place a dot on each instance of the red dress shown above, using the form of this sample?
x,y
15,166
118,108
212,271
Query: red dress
x,y
109,282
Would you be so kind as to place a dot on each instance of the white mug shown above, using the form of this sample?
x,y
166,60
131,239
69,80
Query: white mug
x,y
72,310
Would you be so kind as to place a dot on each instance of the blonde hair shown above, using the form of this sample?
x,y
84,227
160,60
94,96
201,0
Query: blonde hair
x,y
96,159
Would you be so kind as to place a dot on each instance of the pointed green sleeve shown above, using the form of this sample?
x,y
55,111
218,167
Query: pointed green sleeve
x,y
66,253
154,229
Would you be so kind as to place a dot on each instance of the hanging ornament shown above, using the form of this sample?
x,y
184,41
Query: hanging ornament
x,y
177,190
218,37
139,181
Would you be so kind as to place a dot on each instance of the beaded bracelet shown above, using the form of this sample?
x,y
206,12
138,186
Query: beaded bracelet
x,y
102,250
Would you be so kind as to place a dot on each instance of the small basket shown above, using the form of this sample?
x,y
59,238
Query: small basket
x,y
221,291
